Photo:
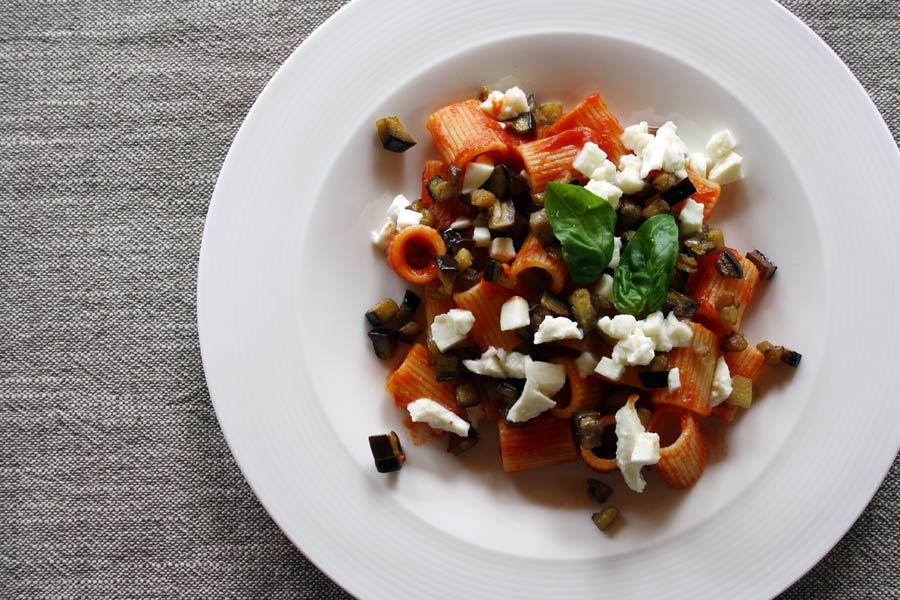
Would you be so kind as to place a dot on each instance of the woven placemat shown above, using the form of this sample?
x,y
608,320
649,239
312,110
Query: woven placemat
x,y
115,481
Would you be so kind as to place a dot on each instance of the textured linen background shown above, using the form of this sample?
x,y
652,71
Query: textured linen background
x,y
115,481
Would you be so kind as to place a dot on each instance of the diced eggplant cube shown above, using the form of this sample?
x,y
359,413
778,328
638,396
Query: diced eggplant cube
x,y
605,517
380,314
791,358
679,191
654,379
588,428
729,266
501,215
498,182
439,189
393,135
555,305
598,490
539,223
766,267
408,306
387,452
457,445
466,394
409,332
449,367
455,241
583,310
384,341
682,305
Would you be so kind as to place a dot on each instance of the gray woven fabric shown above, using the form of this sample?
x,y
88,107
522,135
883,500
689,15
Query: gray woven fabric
x,y
115,481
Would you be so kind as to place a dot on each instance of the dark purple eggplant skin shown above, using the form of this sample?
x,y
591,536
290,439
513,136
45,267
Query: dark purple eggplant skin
x,y
654,379
679,191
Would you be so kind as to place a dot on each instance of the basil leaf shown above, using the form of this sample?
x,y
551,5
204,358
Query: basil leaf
x,y
584,223
641,281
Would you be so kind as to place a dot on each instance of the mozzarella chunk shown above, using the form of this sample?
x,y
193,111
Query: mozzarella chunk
x,y
425,410
482,237
589,159
530,404
549,377
674,381
586,363
605,190
514,365
665,152
490,364
636,349
503,250
720,144
636,137
505,106
617,253
398,204
698,163
690,221
619,327
609,368
380,237
678,334
461,223
635,448
476,174
451,328
722,383
407,218
514,314
604,286
628,179
728,169
557,328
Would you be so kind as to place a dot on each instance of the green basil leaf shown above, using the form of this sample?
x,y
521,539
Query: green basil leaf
x,y
641,281
584,223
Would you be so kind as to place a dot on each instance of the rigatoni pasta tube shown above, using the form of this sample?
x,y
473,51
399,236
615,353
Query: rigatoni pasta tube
x,y
540,442
593,114
411,252
415,379
462,132
532,255
598,463
581,393
447,211
696,364
485,300
550,159
683,453
748,363
710,285
707,194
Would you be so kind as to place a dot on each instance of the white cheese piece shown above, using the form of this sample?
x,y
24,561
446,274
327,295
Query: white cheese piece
x,y
674,379
677,333
619,327
721,385
617,253
636,137
503,250
628,179
557,328
451,327
482,237
635,448
380,237
461,223
698,163
636,349
436,416
665,152
720,144
514,365
549,377
514,314
505,106
609,368
586,363
589,159
604,286
530,404
407,218
476,174
690,221
652,325
728,169
605,190
605,172
398,204
490,363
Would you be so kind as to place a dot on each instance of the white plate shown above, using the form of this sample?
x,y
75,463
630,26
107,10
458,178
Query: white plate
x,y
286,272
